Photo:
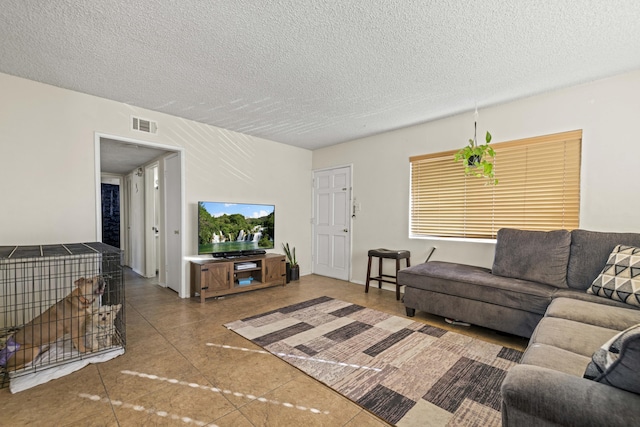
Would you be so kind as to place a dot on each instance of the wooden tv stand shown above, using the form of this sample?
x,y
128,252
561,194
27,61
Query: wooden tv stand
x,y
217,277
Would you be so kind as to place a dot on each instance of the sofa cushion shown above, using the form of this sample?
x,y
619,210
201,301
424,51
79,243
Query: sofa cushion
x,y
576,337
620,277
582,295
594,314
477,283
537,256
555,358
589,252
617,362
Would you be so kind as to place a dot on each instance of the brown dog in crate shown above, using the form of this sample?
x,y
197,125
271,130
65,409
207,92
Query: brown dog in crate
x,y
67,316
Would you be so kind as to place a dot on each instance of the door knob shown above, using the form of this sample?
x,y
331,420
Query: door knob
x,y
345,230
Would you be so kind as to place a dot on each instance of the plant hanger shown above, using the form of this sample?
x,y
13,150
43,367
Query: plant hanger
x,y
478,159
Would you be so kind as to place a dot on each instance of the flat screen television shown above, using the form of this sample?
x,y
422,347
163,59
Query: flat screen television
x,y
235,229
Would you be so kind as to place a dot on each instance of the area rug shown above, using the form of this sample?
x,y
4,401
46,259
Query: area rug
x,y
403,371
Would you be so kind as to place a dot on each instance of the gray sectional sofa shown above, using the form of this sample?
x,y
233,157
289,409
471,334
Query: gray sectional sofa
x,y
530,269
582,364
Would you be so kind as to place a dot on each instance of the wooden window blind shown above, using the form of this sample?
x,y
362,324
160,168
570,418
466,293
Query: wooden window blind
x,y
538,189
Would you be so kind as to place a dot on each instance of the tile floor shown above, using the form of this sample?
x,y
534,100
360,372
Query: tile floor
x,y
175,372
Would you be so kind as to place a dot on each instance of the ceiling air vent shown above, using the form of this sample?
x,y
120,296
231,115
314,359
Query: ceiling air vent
x,y
144,125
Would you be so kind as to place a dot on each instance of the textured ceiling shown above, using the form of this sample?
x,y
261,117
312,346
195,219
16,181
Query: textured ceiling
x,y
316,73
120,158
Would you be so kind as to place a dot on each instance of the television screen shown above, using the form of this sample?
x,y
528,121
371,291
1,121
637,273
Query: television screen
x,y
227,228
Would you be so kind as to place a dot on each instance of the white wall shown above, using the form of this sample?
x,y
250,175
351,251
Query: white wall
x,y
47,170
607,110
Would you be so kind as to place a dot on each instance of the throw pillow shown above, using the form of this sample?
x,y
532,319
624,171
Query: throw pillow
x,y
537,256
620,277
617,362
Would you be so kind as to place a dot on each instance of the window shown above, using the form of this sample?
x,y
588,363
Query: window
x,y
538,189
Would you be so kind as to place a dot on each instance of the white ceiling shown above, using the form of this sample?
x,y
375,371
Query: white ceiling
x,y
317,73
120,158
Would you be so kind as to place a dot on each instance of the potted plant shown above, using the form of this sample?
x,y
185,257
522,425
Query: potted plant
x,y
293,269
475,158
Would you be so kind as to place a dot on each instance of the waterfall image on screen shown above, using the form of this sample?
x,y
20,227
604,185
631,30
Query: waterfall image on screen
x,y
234,227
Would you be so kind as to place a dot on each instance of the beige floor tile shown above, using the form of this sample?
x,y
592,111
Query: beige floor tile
x,y
196,401
98,417
247,375
154,356
184,317
207,348
365,419
234,419
301,402
58,402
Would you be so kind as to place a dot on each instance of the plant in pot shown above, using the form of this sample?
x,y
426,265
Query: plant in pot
x,y
293,269
478,159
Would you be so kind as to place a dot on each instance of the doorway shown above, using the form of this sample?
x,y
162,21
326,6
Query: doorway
x,y
141,168
332,222
111,214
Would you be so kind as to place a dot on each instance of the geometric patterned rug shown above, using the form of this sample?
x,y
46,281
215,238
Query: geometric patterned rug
x,y
405,372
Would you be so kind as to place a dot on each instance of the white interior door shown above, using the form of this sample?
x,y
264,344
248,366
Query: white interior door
x,y
332,222
136,224
173,223
150,220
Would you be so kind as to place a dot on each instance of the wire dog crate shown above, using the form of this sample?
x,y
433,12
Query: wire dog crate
x,y
61,308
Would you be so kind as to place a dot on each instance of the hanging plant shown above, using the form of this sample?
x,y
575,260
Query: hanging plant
x,y
478,159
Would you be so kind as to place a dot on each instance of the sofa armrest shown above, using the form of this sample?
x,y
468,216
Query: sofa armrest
x,y
532,395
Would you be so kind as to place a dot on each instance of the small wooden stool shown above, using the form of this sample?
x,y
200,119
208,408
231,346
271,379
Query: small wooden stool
x,y
391,254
